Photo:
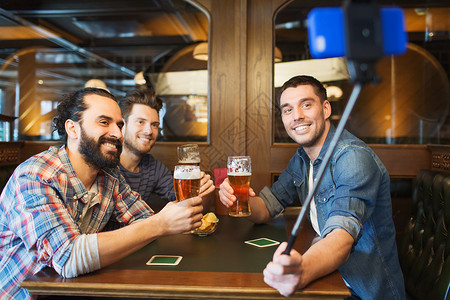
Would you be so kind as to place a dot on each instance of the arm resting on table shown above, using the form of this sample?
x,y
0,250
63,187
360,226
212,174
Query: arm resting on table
x,y
173,218
83,258
287,273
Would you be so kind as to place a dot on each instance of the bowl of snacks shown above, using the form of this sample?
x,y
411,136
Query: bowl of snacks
x,y
209,225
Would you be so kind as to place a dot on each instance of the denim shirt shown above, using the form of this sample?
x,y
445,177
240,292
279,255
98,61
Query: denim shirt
x,y
354,195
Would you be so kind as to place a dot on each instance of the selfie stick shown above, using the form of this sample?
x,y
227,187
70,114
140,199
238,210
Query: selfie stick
x,y
363,40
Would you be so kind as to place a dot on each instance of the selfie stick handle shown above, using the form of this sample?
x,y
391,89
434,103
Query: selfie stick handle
x,y
305,207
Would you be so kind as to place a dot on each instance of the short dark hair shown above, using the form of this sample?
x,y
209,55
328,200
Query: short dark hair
x,y
72,105
295,81
145,96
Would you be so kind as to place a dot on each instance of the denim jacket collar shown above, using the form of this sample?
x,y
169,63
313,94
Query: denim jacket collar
x,y
327,142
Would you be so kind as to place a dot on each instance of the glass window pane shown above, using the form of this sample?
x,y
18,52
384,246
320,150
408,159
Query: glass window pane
x,y
49,50
411,103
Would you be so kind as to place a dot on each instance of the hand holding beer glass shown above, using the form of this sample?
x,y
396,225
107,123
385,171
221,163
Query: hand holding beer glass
x,y
188,154
186,181
239,170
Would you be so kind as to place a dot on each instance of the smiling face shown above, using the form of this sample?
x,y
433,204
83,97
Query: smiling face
x,y
100,142
141,129
304,116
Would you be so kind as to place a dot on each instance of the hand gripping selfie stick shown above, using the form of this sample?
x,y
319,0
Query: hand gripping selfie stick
x,y
362,32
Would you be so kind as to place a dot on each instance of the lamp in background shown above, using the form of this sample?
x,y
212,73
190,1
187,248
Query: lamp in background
x,y
201,51
96,83
277,55
334,93
139,78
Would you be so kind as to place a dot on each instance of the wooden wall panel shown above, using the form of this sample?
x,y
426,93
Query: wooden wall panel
x,y
260,87
228,50
401,161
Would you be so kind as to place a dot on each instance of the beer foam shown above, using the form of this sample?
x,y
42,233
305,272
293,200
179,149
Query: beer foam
x,y
239,173
190,161
193,174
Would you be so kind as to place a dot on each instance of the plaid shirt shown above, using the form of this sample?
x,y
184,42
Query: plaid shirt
x,y
40,207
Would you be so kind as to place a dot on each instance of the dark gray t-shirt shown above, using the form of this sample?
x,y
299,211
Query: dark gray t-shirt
x,y
153,178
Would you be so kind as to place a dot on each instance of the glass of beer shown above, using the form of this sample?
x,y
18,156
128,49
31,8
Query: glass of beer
x,y
188,154
186,181
239,170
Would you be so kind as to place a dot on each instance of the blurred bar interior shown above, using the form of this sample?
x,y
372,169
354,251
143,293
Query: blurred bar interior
x,y
217,66
49,47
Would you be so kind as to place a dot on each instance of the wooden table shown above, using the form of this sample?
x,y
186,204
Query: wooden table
x,y
219,266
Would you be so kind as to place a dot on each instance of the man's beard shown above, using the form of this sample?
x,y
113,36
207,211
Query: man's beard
x,y
130,145
315,138
91,151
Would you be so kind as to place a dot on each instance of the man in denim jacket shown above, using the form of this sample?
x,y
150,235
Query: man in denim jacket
x,y
351,210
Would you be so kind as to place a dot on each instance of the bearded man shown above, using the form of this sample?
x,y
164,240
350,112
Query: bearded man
x,y
56,204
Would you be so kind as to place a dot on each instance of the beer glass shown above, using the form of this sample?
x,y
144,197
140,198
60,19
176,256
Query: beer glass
x,y
239,170
188,154
186,181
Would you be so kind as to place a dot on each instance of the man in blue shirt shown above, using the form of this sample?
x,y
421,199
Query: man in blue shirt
x,y
145,174
351,210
